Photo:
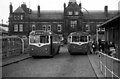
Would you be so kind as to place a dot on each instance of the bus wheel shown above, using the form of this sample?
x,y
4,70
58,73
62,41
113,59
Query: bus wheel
x,y
58,50
34,56
86,53
71,53
51,56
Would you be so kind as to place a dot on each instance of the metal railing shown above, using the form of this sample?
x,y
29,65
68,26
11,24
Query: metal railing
x,y
12,46
109,66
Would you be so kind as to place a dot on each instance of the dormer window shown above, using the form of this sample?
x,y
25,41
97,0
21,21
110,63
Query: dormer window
x,y
70,13
21,17
76,12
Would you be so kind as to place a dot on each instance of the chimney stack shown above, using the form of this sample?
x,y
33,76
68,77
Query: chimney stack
x,y
106,11
38,11
64,5
11,8
80,5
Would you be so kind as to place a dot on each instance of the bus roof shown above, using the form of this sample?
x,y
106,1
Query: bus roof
x,y
78,33
41,32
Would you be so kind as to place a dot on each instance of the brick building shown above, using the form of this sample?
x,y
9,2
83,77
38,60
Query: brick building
x,y
73,18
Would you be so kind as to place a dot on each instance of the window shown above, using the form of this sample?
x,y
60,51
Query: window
x,y
59,28
21,17
21,27
44,27
76,12
87,27
70,13
16,27
49,27
33,27
73,23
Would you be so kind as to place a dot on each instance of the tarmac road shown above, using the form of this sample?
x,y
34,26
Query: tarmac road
x,y
62,65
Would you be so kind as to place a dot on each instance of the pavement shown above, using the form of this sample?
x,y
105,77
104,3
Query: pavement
x,y
94,59
14,59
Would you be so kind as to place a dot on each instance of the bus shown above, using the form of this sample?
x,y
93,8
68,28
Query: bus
x,y
79,43
43,43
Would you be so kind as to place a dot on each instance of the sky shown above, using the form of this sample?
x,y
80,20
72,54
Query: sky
x,y
53,5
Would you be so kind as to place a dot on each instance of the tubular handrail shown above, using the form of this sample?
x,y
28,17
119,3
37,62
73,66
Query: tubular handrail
x,y
103,63
110,57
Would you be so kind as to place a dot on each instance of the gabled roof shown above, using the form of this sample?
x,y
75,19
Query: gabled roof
x,y
73,6
19,10
47,15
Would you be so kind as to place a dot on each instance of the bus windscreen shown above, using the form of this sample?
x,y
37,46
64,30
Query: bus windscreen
x,y
83,38
75,38
44,39
79,38
34,39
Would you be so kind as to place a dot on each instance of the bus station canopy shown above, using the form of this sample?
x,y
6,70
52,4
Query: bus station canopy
x,y
111,22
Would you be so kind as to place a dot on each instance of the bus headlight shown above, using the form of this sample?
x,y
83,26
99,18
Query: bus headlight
x,y
74,47
46,49
32,49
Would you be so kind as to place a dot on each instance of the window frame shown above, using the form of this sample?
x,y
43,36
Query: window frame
x,y
76,13
15,27
59,28
70,13
48,27
73,23
33,27
44,27
87,26
21,29
21,17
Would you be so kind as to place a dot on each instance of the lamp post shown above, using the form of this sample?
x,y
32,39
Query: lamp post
x,y
88,18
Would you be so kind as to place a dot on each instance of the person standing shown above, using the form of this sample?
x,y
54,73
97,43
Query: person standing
x,y
112,49
94,47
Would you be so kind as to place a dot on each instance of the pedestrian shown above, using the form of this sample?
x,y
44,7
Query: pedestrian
x,y
112,49
99,45
106,48
94,47
103,46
